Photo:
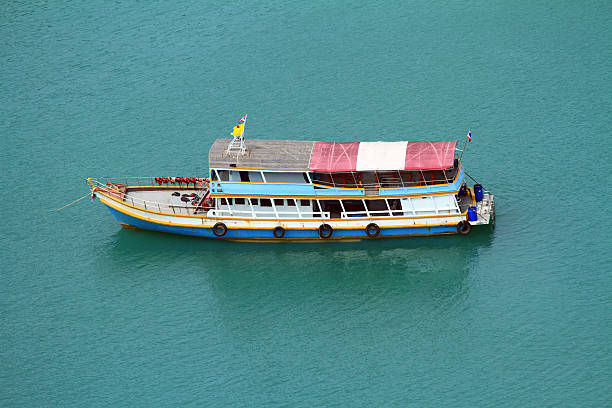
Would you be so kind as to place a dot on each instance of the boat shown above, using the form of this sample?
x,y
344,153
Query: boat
x,y
290,190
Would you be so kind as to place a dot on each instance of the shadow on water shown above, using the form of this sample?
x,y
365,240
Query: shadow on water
x,y
434,265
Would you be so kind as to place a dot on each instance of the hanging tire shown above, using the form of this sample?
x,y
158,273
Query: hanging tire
x,y
219,229
278,232
464,228
325,231
372,230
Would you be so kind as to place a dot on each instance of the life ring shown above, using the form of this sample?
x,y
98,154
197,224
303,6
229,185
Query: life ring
x,y
185,199
372,230
464,227
176,194
219,229
325,231
278,232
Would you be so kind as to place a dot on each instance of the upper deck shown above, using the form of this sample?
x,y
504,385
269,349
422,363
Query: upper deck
x,y
334,157
305,168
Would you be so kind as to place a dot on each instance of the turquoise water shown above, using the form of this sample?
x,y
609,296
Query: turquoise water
x,y
94,315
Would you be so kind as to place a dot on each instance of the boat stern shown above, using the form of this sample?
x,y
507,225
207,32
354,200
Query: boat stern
x,y
485,210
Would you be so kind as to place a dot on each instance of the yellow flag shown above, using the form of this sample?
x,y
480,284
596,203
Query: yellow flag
x,y
238,130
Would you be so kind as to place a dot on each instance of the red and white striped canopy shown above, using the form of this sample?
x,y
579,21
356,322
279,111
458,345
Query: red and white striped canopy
x,y
369,156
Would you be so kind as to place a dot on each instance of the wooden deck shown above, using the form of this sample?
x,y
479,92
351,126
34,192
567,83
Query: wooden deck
x,y
263,154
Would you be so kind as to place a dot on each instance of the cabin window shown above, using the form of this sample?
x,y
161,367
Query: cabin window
x,y
353,205
254,177
239,201
223,201
283,177
305,203
254,201
223,175
265,202
332,207
244,176
291,202
279,201
378,206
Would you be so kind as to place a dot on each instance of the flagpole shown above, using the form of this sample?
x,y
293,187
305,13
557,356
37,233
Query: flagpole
x,y
243,132
464,145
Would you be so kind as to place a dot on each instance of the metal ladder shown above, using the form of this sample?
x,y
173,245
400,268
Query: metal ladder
x,y
236,146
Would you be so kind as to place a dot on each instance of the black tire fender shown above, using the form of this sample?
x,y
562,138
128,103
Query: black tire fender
x,y
219,229
278,232
372,230
464,228
325,231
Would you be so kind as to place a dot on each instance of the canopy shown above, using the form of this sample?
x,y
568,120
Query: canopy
x,y
370,156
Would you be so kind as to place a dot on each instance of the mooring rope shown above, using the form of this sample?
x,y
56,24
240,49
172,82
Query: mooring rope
x,y
75,201
473,179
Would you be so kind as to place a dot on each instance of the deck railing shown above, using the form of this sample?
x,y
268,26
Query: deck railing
x,y
117,190
263,214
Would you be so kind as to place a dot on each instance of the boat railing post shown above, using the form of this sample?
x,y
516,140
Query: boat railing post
x,y
342,206
365,206
229,209
388,208
308,177
320,210
297,207
252,209
274,208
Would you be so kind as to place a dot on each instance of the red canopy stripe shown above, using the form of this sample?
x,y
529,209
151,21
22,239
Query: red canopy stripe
x,y
430,155
334,157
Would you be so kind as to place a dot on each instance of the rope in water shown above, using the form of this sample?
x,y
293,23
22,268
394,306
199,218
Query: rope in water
x,y
75,201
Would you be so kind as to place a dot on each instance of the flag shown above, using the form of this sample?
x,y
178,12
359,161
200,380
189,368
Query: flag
x,y
239,128
469,135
